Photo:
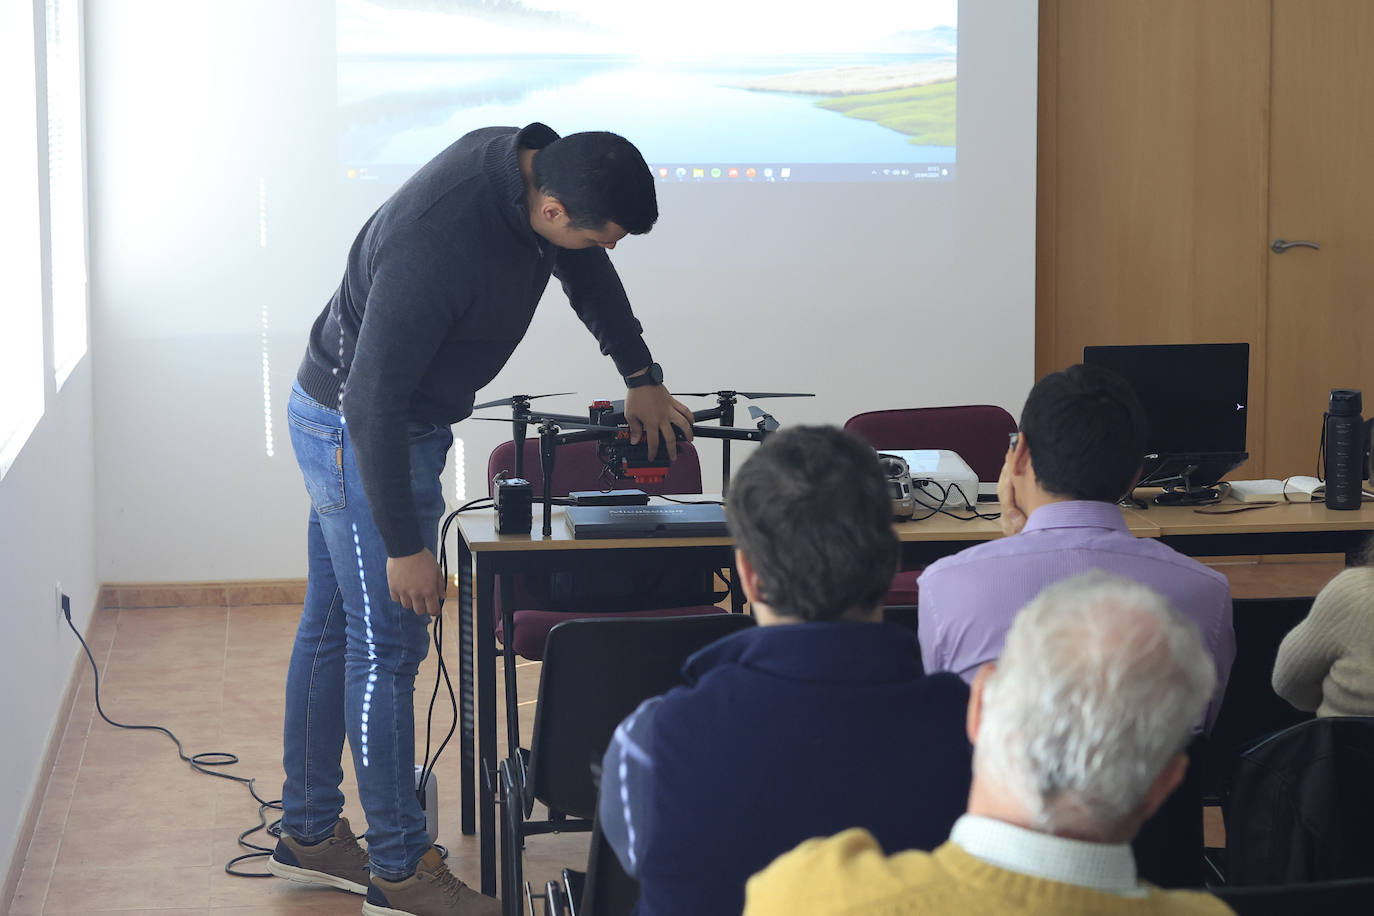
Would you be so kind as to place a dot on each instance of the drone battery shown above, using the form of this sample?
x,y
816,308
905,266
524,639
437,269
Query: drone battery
x,y
630,497
514,505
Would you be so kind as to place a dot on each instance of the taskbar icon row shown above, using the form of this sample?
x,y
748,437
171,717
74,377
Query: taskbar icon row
x,y
748,173
850,171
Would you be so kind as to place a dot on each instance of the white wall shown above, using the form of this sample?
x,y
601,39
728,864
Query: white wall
x,y
203,121
47,535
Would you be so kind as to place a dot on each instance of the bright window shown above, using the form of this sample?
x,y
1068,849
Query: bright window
x,y
21,314
67,211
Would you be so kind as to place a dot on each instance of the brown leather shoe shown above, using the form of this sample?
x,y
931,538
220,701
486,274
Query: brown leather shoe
x,y
432,891
338,861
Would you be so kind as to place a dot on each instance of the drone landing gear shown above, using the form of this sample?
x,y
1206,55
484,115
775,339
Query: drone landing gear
x,y
726,399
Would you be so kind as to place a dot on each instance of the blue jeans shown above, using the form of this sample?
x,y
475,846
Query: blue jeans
x,y
353,665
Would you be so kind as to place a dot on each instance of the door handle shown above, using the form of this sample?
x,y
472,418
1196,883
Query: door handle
x,y
1281,245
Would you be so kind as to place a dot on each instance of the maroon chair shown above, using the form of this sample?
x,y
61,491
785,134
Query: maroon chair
x,y
978,432
542,602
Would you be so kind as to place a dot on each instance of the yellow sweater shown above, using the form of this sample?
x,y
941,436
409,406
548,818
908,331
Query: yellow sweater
x,y
848,875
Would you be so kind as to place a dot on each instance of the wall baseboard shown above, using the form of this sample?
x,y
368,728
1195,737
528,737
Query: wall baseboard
x,y
242,593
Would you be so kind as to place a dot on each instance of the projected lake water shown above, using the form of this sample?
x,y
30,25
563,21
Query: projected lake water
x,y
886,111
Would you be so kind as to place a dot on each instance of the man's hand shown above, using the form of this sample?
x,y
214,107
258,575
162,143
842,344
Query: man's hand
x,y
416,582
1013,516
652,410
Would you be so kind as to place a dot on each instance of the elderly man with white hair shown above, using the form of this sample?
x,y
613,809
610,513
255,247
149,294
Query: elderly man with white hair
x,y
1078,736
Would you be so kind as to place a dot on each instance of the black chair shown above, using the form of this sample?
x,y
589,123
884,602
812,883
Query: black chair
x,y
604,889
596,672
1327,898
1249,708
1169,847
1301,805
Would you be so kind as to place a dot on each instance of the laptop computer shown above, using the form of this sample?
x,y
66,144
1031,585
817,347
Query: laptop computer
x,y
657,521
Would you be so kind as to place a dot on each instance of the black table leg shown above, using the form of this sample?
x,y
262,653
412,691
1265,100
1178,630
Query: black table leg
x,y
508,649
736,592
467,738
486,721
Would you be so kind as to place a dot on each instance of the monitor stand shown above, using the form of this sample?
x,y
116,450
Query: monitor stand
x,y
1199,497
1188,494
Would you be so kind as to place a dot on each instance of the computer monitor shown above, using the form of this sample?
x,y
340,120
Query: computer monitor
x,y
1195,398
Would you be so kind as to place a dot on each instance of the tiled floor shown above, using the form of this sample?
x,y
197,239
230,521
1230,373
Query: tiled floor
x,y
126,827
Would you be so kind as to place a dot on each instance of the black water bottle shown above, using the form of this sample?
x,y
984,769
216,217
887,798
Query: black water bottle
x,y
1344,449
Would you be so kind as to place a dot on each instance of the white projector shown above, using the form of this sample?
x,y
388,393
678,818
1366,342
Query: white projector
x,y
939,477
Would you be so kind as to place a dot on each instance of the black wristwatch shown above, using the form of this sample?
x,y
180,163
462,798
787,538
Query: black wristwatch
x,y
651,376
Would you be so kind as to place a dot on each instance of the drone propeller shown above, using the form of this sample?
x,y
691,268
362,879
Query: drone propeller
x,y
751,395
767,422
536,419
517,400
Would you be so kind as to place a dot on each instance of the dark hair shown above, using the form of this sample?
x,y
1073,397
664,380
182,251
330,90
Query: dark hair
x,y
1086,431
599,177
811,511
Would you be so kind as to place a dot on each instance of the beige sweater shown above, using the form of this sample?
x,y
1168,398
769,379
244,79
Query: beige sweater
x,y
1327,662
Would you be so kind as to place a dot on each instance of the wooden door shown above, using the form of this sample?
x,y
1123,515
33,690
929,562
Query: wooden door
x,y
1153,168
1320,335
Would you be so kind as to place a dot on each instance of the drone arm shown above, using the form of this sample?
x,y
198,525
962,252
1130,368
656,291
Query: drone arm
x,y
735,433
585,435
560,417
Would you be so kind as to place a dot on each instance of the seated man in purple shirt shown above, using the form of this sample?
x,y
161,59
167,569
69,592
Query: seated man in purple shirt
x,y
1082,436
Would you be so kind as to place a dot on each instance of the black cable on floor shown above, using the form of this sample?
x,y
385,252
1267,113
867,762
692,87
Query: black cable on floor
x,y
201,762
198,762
429,764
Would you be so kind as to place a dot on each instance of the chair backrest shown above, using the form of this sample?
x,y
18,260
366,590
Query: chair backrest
x,y
1249,708
608,890
1328,898
578,467
978,432
1301,805
595,673
1169,847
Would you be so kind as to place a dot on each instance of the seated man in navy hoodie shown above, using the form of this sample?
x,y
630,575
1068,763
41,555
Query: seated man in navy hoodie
x,y
817,720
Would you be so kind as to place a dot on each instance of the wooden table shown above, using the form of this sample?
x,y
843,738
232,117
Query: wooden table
x,y
925,541
1285,528
484,556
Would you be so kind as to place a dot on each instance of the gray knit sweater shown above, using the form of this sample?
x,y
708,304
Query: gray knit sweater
x,y
1327,662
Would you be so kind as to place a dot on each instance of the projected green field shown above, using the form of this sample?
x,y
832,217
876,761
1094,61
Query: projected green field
x,y
924,113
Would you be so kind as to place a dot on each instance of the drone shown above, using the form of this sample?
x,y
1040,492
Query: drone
x,y
605,422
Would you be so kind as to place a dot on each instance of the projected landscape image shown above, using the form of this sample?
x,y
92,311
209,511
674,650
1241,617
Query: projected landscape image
x,y
717,90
